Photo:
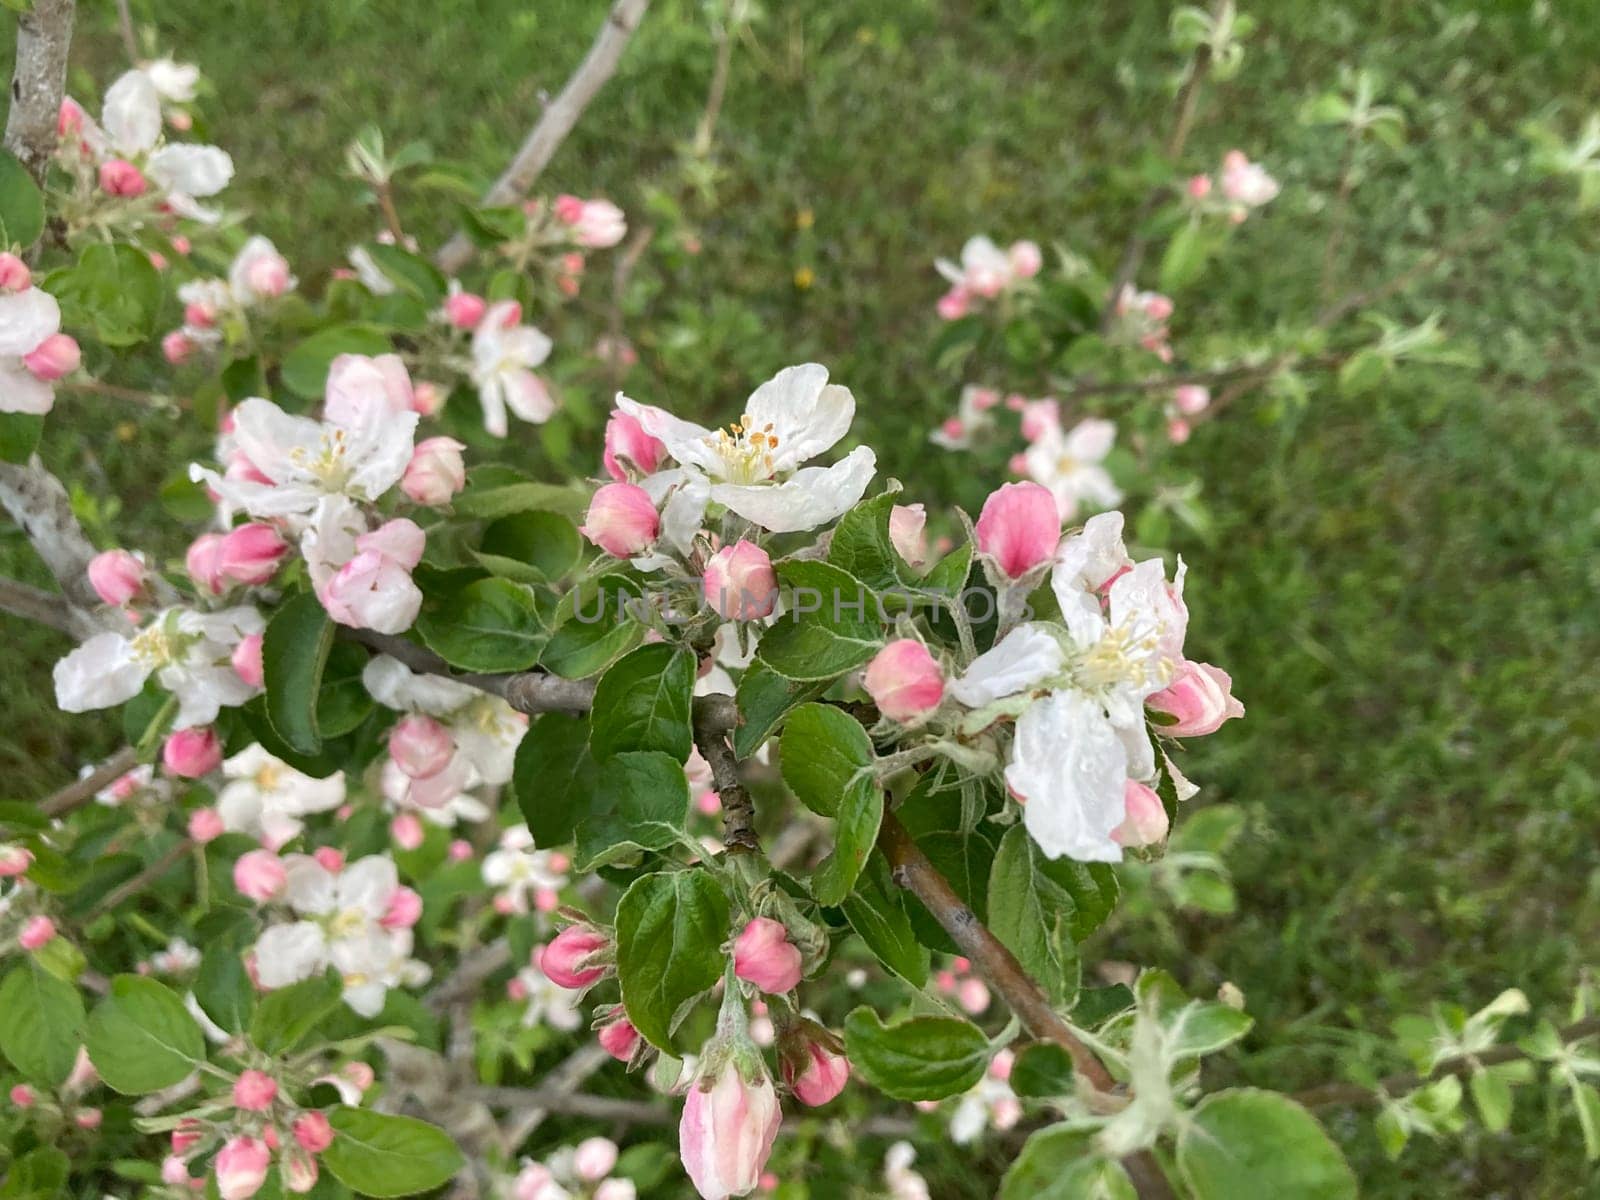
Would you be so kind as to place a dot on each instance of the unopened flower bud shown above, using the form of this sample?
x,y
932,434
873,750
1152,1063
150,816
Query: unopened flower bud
x,y
464,310
1146,821
56,356
191,753
1199,700
313,1132
36,931
420,746
740,584
119,177
436,471
1019,527
254,1091
241,1168
617,1036
116,576
14,274
764,955
566,959
622,520
904,681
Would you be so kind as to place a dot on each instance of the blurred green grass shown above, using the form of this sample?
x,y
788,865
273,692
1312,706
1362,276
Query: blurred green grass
x,y
1403,585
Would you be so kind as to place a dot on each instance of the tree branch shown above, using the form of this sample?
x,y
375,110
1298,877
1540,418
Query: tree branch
x,y
39,81
47,608
115,898
79,792
39,505
1329,1095
555,123
738,810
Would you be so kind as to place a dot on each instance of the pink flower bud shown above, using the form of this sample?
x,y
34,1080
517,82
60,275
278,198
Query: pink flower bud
x,y
313,1132
1200,700
617,1036
1157,307
953,305
764,955
516,989
420,746
268,275
564,959
259,875
329,858
174,1171
567,208
904,681
205,825
14,274
908,533
1198,187
116,576
69,118
599,224
740,584
247,660
436,471
460,850
628,443
1146,821
118,177
88,1118
298,1171
1026,259
1019,527
241,1168
622,520
814,1069
254,1091
54,357
1191,398
36,931
593,1159
727,1130
464,310
178,347
973,996
187,1135
203,561
199,315
403,911
250,554
191,753
14,861
406,830
1178,431
23,1096
427,398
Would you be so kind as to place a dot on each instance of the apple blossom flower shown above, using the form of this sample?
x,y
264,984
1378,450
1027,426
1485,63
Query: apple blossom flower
x,y
764,955
435,472
266,798
595,224
730,1119
374,590
523,876
974,416
258,272
990,1102
259,875
28,319
241,1168
361,389
628,445
1018,528
1245,183
116,576
548,1003
904,680
1191,398
14,860
740,584
186,650
985,270
340,924
1068,463
1199,700
1146,822
191,753
753,467
504,353
173,81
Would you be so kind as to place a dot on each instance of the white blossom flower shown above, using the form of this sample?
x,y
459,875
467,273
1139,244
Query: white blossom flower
x,y
904,1183
189,652
443,799
1069,464
174,81
340,926
266,798
369,273
131,118
178,958
753,467
27,318
519,872
548,1002
984,270
504,353
990,1102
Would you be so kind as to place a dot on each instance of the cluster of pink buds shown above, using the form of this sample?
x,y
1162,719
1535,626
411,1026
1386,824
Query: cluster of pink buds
x,y
1142,318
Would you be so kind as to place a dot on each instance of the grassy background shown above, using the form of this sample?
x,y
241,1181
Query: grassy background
x,y
1403,585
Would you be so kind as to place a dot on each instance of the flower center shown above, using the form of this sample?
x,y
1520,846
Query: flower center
x,y
347,923
330,464
746,452
1126,654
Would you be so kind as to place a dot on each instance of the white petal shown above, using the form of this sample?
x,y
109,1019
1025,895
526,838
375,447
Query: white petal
x,y
1091,439
394,685
368,883
1024,658
21,392
1069,763
132,113
98,674
491,394
685,511
526,345
806,416
309,886
1087,559
812,497
688,444
26,319
528,397
192,170
287,954
175,81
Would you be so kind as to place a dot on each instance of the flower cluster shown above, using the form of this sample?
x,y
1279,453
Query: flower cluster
x,y
985,273
1240,185
34,353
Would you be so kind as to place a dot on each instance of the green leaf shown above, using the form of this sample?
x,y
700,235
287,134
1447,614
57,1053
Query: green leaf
x,y
294,652
1587,1101
531,547
223,988
19,435
671,927
285,1016
1041,908
642,703
490,495
411,272
861,544
828,763
489,625
343,701
764,697
41,1024
555,780
831,625
113,289
876,911
1203,1027
1186,256
1059,1163
141,1038
1042,1070
21,205
1244,1143
1492,1094
597,628
1362,372
39,1174
305,368
380,1155
647,795
919,1058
